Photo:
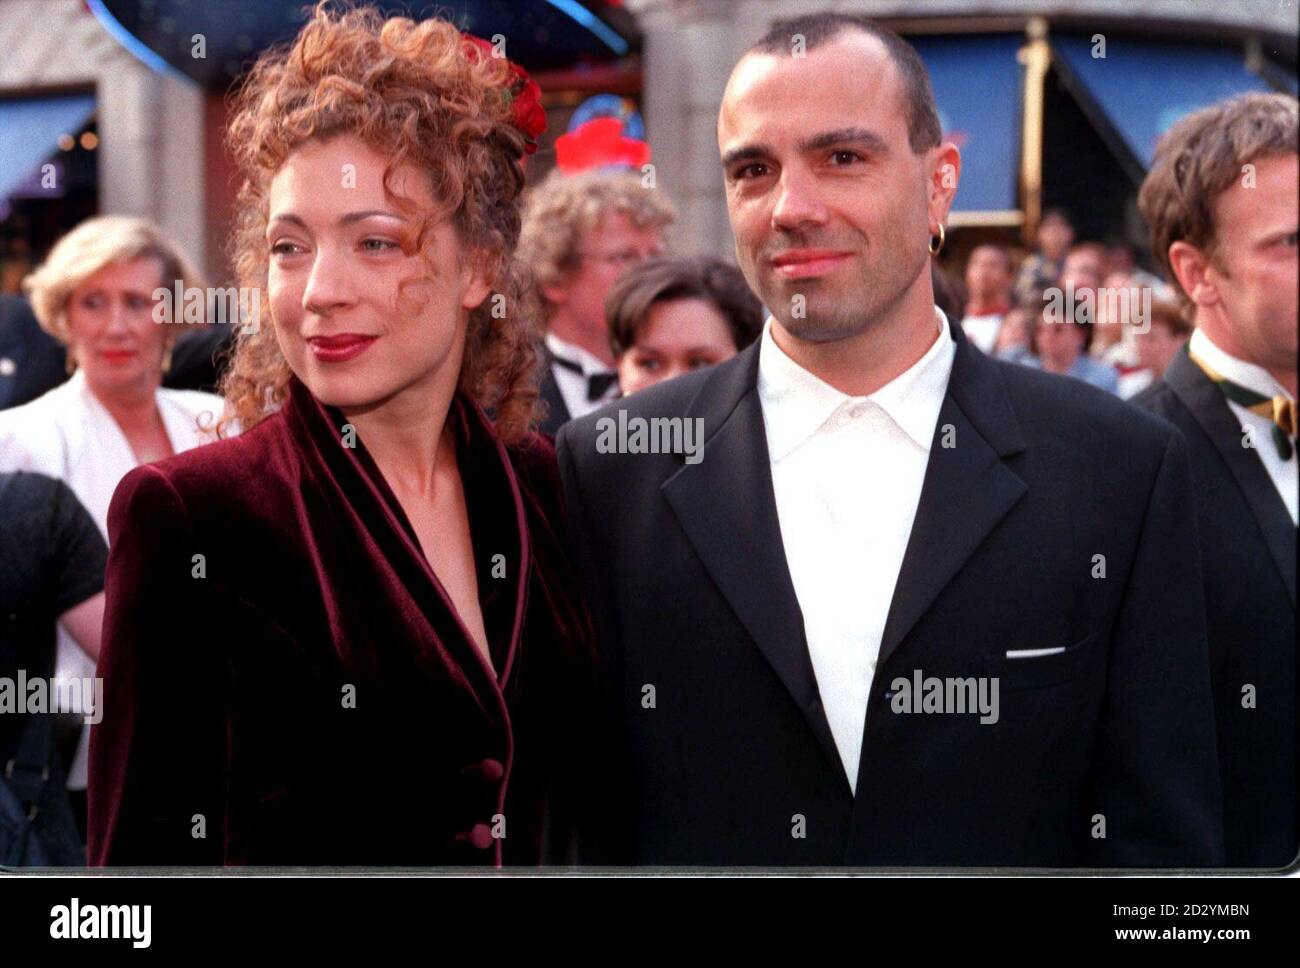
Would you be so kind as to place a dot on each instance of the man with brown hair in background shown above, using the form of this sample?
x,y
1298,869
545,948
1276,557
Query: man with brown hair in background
x,y
1222,206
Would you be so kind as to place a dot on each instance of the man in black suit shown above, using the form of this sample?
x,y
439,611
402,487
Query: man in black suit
x,y
1221,203
908,605
31,360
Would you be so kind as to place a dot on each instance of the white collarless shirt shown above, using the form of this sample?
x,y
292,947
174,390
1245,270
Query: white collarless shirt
x,y
573,386
847,474
1281,472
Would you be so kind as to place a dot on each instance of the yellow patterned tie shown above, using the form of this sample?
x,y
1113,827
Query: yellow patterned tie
x,y
1280,409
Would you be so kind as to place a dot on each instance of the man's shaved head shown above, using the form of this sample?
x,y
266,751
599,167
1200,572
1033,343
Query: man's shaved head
x,y
816,29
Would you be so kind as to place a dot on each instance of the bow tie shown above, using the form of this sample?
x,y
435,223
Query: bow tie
x,y
1281,410
598,384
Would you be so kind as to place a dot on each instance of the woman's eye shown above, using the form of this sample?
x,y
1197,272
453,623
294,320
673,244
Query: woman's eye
x,y
135,302
378,245
283,248
93,301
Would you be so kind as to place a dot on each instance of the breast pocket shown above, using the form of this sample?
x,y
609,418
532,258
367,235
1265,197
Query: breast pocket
x,y
1038,672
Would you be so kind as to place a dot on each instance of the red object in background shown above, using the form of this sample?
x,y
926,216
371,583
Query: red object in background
x,y
525,95
597,143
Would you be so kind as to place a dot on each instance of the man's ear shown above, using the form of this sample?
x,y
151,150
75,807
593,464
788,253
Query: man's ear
x,y
944,173
1193,271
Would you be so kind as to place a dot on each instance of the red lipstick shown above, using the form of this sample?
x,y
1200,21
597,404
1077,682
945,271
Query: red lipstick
x,y
340,348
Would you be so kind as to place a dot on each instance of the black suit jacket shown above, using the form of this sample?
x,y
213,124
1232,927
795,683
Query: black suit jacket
x,y
730,756
199,358
557,411
1248,547
36,359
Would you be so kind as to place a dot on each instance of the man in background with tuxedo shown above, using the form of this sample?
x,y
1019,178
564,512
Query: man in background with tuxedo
x,y
1221,203
879,507
581,232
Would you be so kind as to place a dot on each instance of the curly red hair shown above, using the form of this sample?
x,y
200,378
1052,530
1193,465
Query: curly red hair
x,y
420,94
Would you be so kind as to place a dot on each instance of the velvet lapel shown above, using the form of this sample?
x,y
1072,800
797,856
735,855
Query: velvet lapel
x,y
1209,408
727,507
352,482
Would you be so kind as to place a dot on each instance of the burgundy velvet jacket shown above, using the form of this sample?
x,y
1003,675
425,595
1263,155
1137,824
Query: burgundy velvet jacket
x,y
286,682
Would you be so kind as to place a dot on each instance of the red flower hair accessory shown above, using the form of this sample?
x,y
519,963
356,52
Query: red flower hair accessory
x,y
529,117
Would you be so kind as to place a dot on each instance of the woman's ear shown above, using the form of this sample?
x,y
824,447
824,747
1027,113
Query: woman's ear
x,y
477,271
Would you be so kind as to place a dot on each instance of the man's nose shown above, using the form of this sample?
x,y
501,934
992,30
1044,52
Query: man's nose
x,y
329,284
797,202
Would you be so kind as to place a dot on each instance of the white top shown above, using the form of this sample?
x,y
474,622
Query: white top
x,y
847,474
573,386
983,330
68,434
1252,377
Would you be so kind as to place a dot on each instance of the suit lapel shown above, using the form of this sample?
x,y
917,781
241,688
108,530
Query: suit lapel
x,y
557,410
1211,411
967,488
727,507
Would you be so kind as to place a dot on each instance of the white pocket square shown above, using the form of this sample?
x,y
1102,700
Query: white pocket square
x,y
1034,653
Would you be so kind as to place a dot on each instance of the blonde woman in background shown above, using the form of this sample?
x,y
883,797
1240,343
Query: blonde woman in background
x,y
94,293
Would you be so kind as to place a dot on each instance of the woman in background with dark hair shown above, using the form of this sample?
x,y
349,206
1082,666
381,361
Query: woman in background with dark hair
x,y
670,316
350,635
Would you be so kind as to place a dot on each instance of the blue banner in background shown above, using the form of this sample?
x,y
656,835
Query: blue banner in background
x,y
976,82
1143,87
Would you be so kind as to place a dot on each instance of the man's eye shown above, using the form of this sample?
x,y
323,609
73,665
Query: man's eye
x,y
1289,240
647,364
756,170
844,157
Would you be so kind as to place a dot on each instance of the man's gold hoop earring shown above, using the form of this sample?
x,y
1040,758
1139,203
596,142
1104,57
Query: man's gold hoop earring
x,y
935,247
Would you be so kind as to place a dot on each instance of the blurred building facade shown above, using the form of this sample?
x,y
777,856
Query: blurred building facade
x,y
147,153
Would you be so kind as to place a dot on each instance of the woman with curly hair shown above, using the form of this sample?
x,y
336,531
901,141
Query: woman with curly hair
x,y
350,635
